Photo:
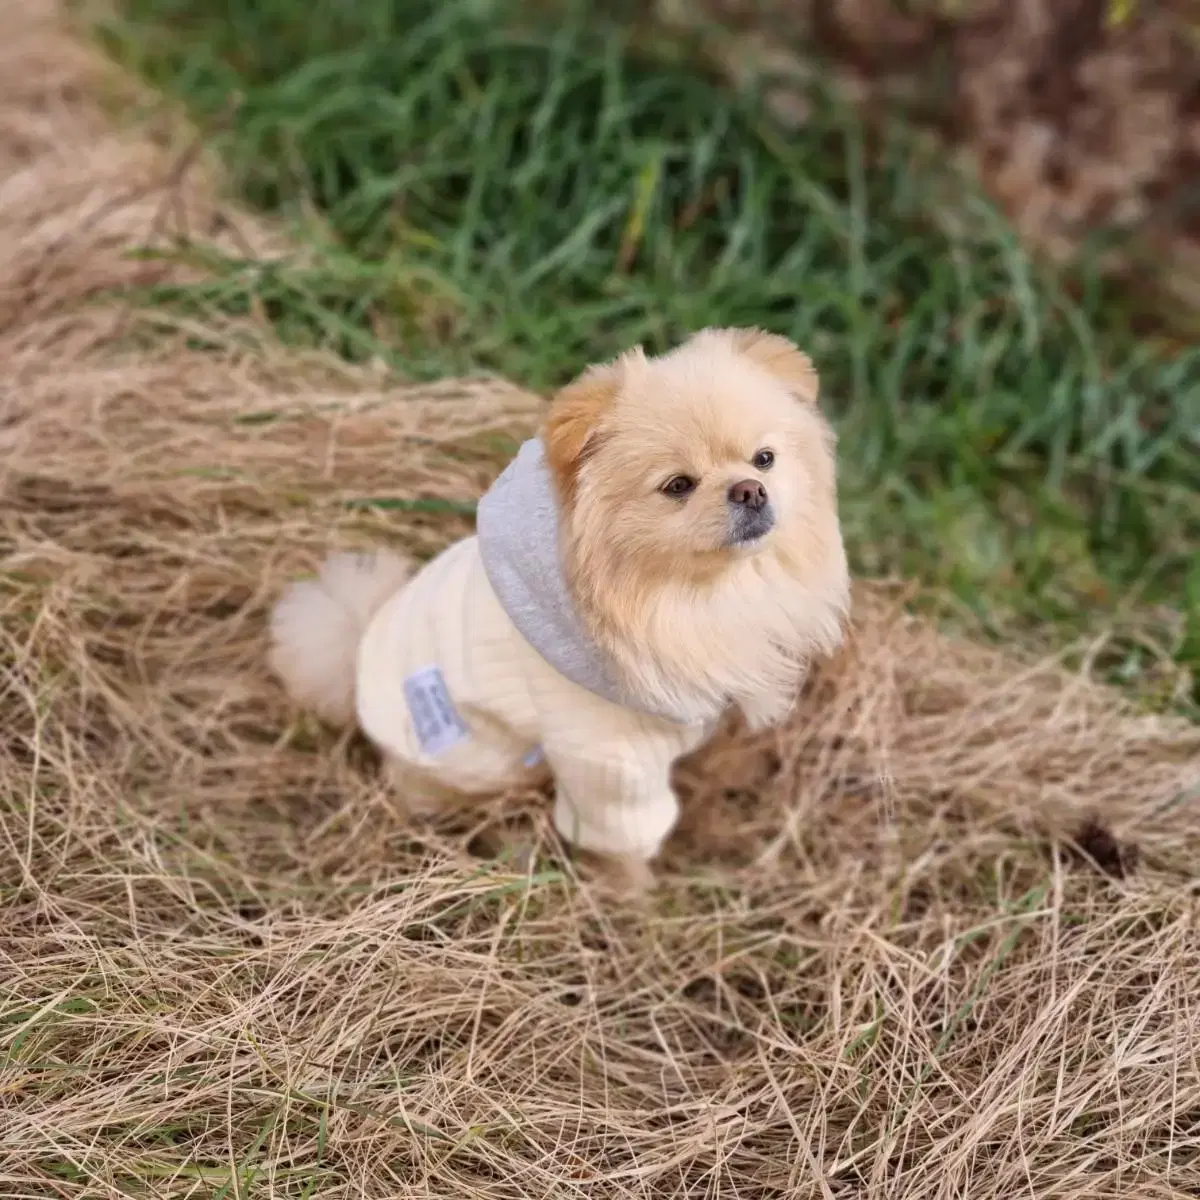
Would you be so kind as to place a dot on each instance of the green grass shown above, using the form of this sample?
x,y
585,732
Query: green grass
x,y
477,194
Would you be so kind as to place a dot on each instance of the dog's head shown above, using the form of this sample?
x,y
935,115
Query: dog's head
x,y
701,480
688,464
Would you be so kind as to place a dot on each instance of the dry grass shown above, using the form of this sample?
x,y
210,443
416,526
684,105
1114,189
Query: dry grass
x,y
228,968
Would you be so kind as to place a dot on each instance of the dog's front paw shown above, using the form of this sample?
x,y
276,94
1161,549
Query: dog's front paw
x,y
622,874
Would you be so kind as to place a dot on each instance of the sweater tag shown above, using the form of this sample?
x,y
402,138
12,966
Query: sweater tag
x,y
438,725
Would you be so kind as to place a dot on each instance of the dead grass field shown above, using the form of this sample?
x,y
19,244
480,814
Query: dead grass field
x,y
876,966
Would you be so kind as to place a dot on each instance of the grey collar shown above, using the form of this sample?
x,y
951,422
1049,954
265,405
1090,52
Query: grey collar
x,y
518,528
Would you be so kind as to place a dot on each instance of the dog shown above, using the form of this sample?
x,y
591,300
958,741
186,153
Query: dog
x,y
666,550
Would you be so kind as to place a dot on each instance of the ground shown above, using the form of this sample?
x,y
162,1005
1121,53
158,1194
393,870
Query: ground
x,y
936,938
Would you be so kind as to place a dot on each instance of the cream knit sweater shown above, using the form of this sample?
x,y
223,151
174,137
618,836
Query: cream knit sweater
x,y
449,689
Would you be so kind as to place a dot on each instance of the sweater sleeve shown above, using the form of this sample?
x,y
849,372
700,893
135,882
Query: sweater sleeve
x,y
612,777
613,805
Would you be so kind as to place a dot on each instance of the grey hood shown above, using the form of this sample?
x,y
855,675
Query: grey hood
x,y
517,524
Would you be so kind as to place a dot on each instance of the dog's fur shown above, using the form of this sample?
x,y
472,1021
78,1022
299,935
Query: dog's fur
x,y
317,625
692,619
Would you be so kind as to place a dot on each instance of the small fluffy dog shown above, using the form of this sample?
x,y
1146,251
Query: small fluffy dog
x,y
668,549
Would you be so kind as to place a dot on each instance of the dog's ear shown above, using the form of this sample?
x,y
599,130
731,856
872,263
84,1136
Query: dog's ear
x,y
781,357
572,430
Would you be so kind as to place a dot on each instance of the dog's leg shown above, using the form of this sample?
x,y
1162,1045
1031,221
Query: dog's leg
x,y
421,797
614,806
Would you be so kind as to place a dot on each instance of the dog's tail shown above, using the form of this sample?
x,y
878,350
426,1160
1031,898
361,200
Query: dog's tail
x,y
318,624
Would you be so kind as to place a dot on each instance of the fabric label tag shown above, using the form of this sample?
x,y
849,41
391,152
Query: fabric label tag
x,y
435,719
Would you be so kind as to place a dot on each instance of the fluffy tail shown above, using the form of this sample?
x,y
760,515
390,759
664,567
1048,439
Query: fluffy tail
x,y
317,625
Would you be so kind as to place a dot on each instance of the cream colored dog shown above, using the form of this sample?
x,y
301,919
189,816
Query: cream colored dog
x,y
669,548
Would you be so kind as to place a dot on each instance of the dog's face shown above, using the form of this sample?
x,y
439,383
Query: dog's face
x,y
699,520
702,458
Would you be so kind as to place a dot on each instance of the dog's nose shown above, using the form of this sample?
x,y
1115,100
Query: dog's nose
x,y
748,493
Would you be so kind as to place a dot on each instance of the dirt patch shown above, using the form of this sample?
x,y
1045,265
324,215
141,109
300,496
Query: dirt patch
x,y
1080,116
227,962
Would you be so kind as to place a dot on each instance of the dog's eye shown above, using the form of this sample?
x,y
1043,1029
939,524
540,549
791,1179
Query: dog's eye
x,y
763,460
679,486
